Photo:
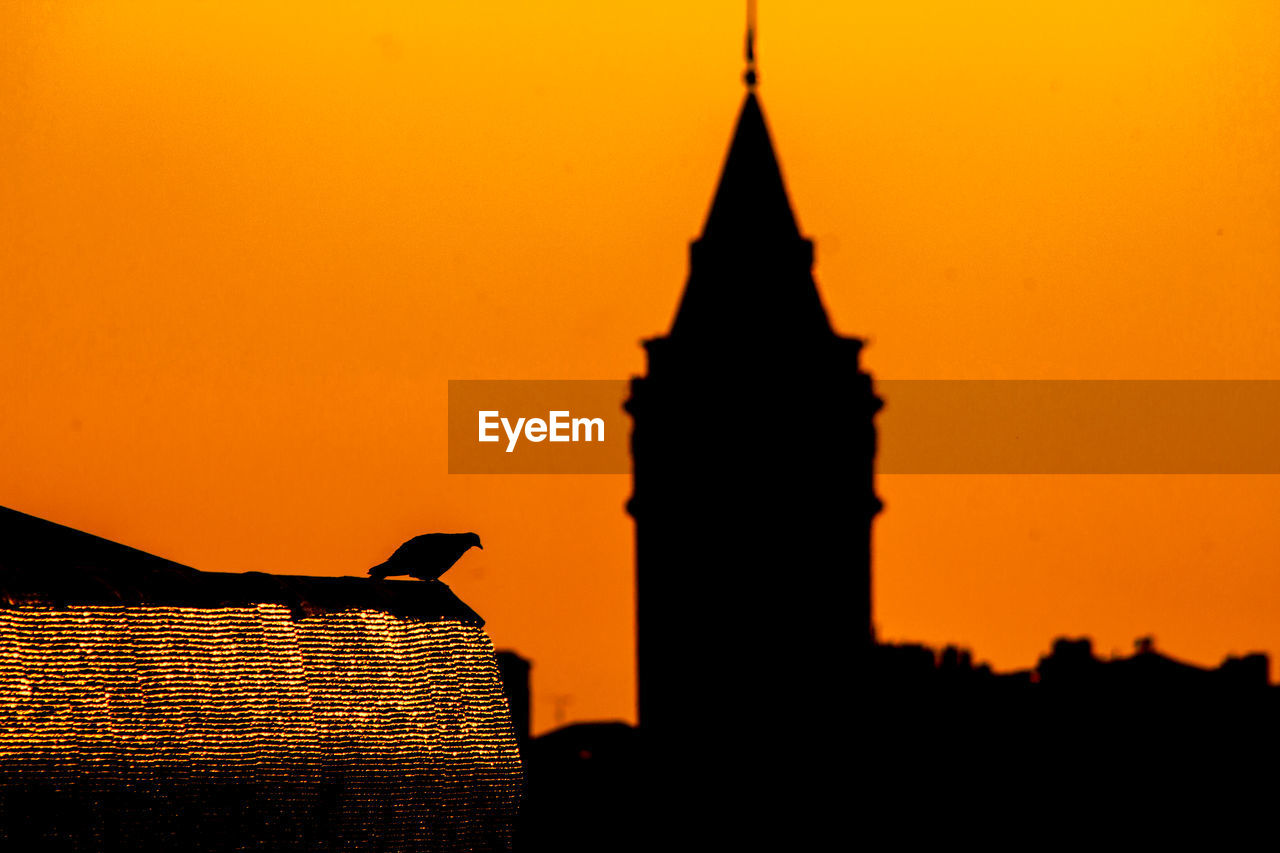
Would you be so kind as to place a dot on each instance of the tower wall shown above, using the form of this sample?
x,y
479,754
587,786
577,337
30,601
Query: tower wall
x,y
762,522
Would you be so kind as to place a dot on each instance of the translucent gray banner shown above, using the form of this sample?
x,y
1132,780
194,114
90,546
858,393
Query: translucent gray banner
x,y
926,427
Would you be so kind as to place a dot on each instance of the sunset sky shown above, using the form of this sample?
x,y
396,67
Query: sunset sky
x,y
245,245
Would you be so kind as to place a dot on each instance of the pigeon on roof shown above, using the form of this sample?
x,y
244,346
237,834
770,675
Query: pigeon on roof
x,y
44,564
427,557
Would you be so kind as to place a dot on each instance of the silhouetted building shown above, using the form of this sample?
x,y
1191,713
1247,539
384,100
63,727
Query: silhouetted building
x,y
753,446
148,706
588,791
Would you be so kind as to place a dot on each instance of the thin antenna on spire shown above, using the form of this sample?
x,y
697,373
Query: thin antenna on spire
x,y
750,76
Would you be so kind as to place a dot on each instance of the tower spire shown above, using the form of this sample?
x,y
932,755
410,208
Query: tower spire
x,y
750,76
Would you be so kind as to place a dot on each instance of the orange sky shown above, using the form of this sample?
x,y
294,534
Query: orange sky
x,y
242,251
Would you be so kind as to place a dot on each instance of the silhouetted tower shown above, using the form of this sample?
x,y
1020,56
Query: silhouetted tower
x,y
753,445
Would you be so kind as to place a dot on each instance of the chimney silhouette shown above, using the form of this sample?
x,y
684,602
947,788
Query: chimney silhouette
x,y
515,684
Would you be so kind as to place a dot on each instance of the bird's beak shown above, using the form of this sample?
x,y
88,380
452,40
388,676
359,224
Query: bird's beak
x,y
478,545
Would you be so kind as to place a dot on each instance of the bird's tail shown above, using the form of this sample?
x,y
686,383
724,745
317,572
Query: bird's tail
x,y
380,571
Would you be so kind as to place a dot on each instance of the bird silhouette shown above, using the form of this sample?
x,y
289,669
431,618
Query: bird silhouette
x,y
427,557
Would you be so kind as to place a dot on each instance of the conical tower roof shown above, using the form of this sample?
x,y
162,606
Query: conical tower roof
x,y
751,270
751,200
